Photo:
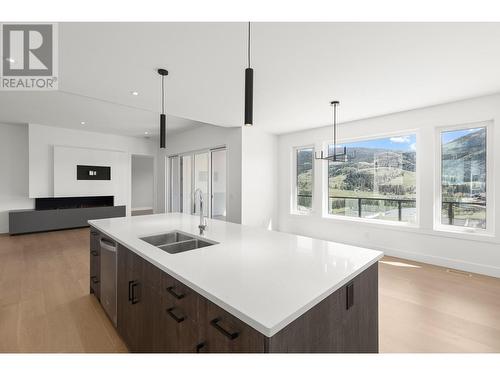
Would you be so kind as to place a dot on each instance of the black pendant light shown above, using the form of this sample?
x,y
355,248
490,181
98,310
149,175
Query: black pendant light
x,y
249,87
163,116
339,157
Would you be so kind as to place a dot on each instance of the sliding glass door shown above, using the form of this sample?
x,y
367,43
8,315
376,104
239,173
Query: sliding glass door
x,y
218,178
175,185
204,170
201,181
186,184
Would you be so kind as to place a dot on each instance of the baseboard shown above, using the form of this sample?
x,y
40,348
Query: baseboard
x,y
141,209
442,261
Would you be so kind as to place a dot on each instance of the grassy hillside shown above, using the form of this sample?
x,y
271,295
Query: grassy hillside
x,y
464,166
366,175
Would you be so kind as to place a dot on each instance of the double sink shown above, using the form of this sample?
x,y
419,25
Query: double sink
x,y
175,242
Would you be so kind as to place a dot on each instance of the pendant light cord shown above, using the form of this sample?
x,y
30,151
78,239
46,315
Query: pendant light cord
x,y
334,129
163,94
249,33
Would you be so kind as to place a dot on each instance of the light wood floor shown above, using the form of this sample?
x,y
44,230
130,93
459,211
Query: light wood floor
x,y
45,305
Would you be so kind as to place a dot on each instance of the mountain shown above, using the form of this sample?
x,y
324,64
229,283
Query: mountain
x,y
364,157
464,161
469,146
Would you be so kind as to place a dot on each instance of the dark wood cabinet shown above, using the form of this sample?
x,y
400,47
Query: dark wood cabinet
x,y
95,263
158,313
344,322
224,333
182,312
179,331
138,304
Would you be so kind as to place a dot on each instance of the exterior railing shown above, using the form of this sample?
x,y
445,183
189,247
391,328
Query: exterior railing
x,y
399,203
304,200
451,209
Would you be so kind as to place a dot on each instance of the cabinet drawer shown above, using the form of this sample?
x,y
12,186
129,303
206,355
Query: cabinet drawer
x,y
181,297
152,276
94,239
177,333
226,333
95,264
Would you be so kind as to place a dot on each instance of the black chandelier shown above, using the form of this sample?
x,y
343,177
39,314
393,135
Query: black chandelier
x,y
334,156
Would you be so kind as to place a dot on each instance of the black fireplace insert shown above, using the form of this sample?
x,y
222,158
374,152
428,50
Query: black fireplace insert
x,y
73,202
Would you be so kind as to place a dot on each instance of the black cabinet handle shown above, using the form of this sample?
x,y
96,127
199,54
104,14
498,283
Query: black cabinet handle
x,y
131,292
349,296
94,253
178,319
229,335
94,279
200,347
171,290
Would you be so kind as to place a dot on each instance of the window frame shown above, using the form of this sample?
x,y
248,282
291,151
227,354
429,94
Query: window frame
x,y
192,154
325,190
294,183
490,192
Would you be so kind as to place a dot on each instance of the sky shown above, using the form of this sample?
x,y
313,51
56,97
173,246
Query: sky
x,y
449,136
398,143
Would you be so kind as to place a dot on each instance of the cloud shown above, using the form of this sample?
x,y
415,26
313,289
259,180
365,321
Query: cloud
x,y
405,139
413,147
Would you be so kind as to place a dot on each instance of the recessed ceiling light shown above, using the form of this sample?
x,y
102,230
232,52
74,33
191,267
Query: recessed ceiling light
x,y
146,133
83,122
10,59
135,93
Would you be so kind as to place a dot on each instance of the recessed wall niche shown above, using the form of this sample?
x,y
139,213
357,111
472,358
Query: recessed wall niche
x,y
90,172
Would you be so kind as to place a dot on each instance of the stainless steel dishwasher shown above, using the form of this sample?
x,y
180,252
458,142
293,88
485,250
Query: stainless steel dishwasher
x,y
108,277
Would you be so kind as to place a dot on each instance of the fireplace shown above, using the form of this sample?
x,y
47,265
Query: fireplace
x,y
73,202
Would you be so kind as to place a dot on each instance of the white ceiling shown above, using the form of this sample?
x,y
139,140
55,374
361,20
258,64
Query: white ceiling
x,y
372,68
56,108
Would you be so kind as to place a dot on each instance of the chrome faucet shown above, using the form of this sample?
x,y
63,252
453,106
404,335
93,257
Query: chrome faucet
x,y
203,221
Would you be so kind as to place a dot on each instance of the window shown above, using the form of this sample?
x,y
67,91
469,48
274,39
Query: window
x,y
304,179
204,170
378,180
186,184
219,183
463,177
201,182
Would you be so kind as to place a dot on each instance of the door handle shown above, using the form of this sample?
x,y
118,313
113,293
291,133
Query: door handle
x,y
200,348
229,335
178,319
171,290
349,296
131,292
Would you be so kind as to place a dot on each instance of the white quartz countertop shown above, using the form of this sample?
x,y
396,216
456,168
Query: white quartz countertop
x,y
265,278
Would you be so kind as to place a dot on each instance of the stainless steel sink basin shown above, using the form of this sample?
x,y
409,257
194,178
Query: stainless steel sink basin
x,y
167,238
179,247
177,242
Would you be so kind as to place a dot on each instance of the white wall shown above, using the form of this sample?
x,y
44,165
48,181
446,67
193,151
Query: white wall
x,y
474,253
251,180
44,139
142,182
259,178
200,138
13,172
66,184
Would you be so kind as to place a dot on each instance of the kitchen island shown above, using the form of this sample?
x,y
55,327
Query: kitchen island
x,y
249,290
